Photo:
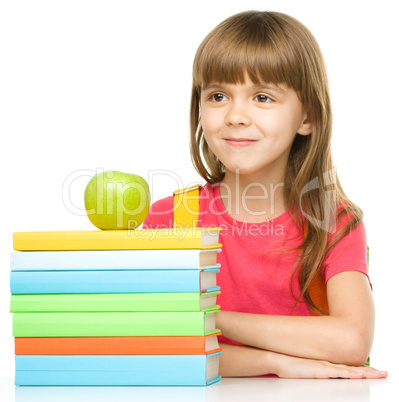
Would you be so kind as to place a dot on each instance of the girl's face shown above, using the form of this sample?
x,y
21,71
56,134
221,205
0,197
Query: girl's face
x,y
252,127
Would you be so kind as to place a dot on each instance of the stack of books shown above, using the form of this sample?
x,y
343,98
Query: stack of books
x,y
115,307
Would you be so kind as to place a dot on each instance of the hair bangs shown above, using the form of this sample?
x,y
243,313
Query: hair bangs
x,y
264,54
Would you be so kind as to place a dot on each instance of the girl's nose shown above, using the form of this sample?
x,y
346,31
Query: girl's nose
x,y
237,115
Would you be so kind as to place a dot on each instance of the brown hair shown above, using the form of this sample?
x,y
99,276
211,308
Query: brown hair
x,y
276,48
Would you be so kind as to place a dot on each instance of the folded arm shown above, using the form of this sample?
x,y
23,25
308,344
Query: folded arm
x,y
246,361
345,336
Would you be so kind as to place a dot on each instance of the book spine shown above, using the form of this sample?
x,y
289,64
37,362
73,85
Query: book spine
x,y
111,370
112,302
133,345
107,260
162,239
109,324
138,281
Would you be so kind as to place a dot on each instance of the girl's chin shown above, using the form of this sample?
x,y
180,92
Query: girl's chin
x,y
240,170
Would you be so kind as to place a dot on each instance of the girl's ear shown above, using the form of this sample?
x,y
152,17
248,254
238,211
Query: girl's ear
x,y
306,127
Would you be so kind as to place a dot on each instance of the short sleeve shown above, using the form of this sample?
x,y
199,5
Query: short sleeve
x,y
160,215
349,254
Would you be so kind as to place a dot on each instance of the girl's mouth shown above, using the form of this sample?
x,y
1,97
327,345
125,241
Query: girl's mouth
x,y
240,142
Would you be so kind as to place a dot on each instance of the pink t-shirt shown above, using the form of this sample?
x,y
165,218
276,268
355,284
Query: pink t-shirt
x,y
253,280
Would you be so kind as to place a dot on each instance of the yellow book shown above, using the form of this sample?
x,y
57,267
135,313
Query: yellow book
x,y
143,239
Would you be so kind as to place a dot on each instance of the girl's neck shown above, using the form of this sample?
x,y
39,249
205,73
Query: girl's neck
x,y
251,199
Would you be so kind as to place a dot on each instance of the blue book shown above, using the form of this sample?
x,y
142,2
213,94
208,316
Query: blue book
x,y
125,281
112,259
121,370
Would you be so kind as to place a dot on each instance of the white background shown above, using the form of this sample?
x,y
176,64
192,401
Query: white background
x,y
92,85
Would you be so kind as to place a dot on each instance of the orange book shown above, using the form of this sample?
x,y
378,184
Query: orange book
x,y
125,345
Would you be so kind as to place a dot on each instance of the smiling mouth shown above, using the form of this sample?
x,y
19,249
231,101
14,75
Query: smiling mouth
x,y
240,142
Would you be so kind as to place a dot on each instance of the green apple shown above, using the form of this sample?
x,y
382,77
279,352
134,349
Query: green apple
x,y
116,200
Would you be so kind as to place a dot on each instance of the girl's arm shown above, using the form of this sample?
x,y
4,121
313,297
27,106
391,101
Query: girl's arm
x,y
246,361
345,336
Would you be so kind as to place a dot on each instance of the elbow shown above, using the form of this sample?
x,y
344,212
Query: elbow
x,y
356,350
357,357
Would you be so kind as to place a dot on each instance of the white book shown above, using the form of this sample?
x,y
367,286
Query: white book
x,y
113,259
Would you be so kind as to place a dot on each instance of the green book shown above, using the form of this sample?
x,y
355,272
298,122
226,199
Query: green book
x,y
114,324
113,302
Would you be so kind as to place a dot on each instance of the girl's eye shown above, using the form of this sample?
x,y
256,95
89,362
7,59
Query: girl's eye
x,y
263,98
218,97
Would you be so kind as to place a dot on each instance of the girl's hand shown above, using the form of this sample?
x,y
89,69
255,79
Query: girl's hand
x,y
296,367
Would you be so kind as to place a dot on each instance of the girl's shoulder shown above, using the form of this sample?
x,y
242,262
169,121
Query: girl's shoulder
x,y
345,215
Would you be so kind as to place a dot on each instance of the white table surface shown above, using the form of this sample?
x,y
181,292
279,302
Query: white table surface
x,y
228,389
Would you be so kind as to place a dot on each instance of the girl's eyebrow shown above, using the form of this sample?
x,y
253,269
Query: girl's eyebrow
x,y
210,86
254,86
269,86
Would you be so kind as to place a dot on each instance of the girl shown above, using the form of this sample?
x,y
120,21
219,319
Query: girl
x,y
261,129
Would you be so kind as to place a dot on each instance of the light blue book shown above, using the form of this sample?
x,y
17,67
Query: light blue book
x,y
112,259
134,281
121,370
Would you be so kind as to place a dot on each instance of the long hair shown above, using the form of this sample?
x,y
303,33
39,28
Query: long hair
x,y
275,48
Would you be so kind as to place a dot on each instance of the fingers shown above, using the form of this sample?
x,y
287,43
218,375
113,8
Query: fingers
x,y
370,372
295,367
342,371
